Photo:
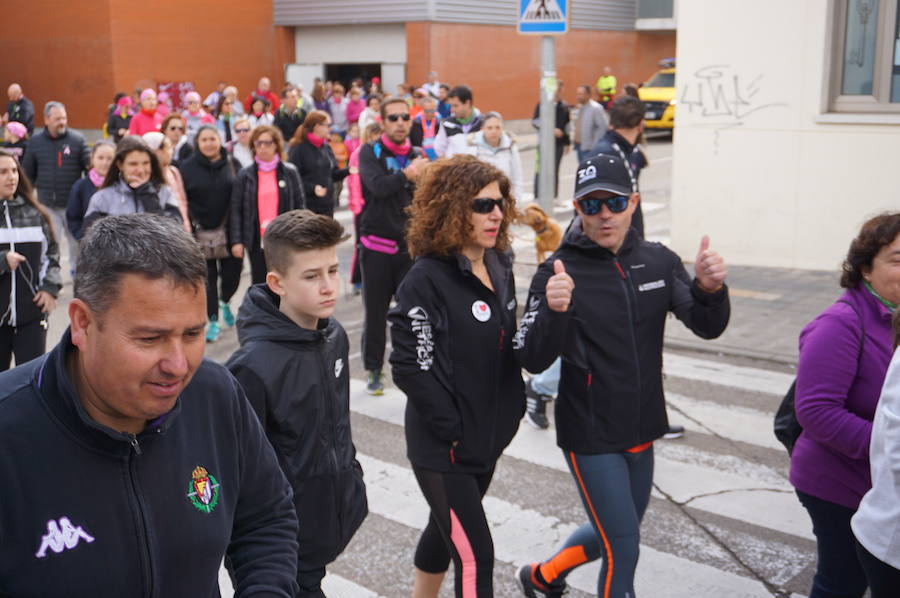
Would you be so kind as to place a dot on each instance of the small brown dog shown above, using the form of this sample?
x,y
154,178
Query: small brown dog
x,y
548,234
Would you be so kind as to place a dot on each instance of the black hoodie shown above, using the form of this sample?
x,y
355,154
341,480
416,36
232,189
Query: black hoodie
x,y
611,338
453,357
298,382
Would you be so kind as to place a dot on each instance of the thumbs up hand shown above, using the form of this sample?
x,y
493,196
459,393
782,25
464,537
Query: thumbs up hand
x,y
559,288
709,268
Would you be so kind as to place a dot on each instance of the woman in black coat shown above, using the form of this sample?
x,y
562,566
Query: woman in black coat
x,y
269,183
315,161
208,183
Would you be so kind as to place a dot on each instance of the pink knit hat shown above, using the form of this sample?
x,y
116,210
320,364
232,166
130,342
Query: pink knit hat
x,y
17,129
147,93
192,96
124,102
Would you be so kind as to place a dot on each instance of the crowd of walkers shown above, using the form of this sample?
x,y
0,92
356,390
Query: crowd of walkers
x,y
433,185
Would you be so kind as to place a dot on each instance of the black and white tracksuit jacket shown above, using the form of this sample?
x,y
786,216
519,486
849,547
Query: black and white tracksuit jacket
x,y
24,230
89,511
611,338
453,357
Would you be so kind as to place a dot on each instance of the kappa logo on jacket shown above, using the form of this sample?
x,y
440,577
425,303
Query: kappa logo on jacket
x,y
62,536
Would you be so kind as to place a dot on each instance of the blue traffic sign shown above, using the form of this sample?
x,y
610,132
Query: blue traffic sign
x,y
544,17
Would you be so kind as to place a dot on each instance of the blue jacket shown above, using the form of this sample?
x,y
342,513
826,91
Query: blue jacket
x,y
89,511
79,200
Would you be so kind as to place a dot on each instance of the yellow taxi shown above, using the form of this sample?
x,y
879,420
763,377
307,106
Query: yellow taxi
x,y
658,96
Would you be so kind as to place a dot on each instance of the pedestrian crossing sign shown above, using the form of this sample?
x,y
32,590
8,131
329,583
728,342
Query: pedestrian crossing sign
x,y
543,17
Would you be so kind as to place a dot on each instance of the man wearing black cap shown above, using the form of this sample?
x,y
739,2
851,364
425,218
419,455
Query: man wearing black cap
x,y
611,406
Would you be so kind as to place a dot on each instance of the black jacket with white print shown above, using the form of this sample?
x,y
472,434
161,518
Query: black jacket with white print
x,y
89,511
24,230
611,338
298,382
452,356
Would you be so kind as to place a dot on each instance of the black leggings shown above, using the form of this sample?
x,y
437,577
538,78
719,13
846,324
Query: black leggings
x,y
884,580
457,529
381,275
225,273
26,342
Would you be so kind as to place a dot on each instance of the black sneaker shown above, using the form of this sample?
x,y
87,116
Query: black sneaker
x,y
375,386
530,587
674,432
536,407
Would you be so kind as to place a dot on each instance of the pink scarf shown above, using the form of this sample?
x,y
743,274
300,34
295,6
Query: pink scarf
x,y
396,149
267,166
315,139
96,177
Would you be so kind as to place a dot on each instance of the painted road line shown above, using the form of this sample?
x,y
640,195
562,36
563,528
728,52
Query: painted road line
x,y
737,423
720,484
524,535
333,585
745,378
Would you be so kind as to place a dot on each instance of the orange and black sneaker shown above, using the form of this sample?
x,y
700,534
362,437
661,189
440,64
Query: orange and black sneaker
x,y
533,588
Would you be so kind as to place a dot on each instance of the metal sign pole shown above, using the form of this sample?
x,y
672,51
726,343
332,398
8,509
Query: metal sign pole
x,y
547,139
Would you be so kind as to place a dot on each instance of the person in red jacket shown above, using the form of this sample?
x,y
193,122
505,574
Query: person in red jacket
x,y
149,118
263,90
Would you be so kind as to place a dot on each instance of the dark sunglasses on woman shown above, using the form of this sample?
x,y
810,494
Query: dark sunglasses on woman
x,y
486,205
593,205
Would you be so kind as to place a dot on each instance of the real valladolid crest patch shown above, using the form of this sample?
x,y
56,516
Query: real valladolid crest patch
x,y
203,490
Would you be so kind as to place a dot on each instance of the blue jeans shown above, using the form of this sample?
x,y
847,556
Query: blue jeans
x,y
582,153
838,571
547,382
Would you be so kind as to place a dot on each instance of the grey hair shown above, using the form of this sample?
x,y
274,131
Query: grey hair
x,y
146,244
51,105
429,100
492,114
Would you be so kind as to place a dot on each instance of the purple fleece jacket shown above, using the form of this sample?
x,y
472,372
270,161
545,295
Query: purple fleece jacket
x,y
836,395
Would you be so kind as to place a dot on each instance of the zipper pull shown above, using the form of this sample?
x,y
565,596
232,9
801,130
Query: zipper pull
x,y
621,271
135,444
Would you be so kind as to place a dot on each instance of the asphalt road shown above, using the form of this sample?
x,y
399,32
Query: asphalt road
x,y
722,521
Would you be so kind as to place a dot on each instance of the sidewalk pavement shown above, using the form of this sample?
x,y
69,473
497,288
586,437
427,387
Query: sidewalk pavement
x,y
769,308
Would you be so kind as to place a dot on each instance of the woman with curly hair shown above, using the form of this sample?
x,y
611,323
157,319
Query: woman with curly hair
x,y
452,331
844,355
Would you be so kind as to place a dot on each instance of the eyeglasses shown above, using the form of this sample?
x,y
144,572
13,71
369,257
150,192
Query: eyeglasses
x,y
247,130
263,143
395,117
486,205
593,205
174,128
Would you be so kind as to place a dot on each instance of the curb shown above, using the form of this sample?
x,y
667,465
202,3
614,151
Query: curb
x,y
731,351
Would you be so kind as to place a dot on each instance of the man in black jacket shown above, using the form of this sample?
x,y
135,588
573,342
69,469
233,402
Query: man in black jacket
x,y
55,159
387,170
132,465
611,405
20,109
289,115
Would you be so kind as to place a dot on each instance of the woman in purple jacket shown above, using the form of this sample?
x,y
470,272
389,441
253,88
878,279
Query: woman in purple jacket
x,y
844,355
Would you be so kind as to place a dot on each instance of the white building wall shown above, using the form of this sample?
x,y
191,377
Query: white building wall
x,y
383,43
757,165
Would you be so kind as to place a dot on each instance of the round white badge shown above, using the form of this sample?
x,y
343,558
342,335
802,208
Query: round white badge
x,y
481,311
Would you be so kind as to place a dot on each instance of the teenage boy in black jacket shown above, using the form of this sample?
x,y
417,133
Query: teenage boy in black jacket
x,y
293,364
611,405
388,170
130,465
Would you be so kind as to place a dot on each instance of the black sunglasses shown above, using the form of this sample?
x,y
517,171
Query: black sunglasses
x,y
593,205
395,117
486,205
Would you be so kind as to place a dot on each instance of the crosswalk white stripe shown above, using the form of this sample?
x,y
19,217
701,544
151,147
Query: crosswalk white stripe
x,y
735,488
333,585
734,422
744,378
524,535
